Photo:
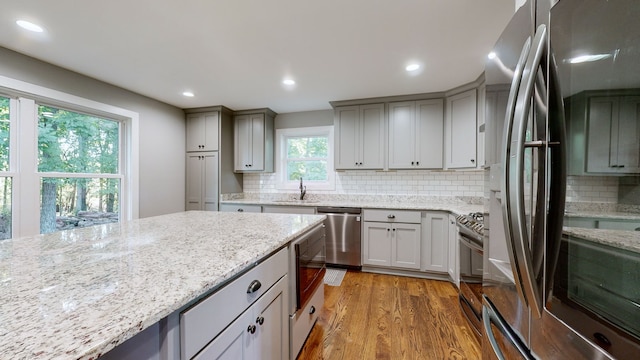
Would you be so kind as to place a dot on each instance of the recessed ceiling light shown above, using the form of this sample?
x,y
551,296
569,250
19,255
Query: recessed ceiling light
x,y
188,94
412,67
491,55
288,82
29,26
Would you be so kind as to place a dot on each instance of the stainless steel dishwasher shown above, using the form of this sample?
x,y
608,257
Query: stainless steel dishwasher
x,y
343,242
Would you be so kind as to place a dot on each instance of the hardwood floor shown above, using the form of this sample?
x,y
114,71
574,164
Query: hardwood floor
x,y
372,316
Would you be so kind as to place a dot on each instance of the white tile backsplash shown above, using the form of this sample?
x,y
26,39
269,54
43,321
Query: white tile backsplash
x,y
597,189
404,182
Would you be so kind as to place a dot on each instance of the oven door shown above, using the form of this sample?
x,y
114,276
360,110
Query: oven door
x,y
309,266
470,260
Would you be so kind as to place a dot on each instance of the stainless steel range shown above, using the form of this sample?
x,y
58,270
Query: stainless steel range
x,y
470,248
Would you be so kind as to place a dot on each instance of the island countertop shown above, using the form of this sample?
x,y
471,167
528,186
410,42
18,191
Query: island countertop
x,y
77,294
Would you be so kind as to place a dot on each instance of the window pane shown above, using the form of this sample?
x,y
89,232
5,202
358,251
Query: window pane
x,y
76,143
313,170
4,133
68,203
307,147
5,208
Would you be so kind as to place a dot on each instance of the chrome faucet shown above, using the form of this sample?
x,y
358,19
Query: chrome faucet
x,y
303,190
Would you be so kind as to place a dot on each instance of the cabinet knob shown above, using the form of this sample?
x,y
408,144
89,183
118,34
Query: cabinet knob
x,y
394,229
312,310
473,160
254,286
388,229
260,320
360,163
417,162
251,329
391,216
240,210
412,162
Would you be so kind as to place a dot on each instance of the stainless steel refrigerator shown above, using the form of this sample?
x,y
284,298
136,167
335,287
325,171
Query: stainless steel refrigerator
x,y
563,107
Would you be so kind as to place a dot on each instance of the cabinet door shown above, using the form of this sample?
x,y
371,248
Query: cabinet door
x,y
603,115
435,241
372,132
234,343
256,142
628,144
460,137
202,131
405,252
210,181
346,131
271,320
402,135
194,182
241,144
429,132
376,243
453,251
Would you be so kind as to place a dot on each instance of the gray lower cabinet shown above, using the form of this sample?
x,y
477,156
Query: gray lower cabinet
x,y
241,320
435,241
391,238
202,181
261,332
240,208
454,271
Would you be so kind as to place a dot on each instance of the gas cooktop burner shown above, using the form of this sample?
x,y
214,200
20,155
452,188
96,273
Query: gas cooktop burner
x,y
472,221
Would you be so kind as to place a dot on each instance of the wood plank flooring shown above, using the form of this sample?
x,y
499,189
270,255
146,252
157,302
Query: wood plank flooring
x,y
372,316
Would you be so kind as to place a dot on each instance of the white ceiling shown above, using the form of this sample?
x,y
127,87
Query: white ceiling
x,y
237,52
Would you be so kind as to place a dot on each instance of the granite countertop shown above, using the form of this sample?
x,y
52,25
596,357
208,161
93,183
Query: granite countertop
x,y
78,294
603,215
455,207
621,239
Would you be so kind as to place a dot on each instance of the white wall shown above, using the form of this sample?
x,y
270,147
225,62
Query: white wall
x,y
162,128
304,119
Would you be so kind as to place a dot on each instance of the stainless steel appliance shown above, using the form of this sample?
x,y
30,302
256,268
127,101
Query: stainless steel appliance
x,y
343,242
562,91
470,261
307,269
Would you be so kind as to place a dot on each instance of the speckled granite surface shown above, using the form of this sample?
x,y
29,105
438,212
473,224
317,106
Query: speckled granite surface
x,y
610,215
78,294
454,205
628,240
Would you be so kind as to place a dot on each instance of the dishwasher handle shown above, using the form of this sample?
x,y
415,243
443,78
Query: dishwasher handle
x,y
338,210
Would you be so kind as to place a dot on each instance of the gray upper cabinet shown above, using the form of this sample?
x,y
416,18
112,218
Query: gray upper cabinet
x,y
202,131
416,134
461,130
359,131
254,137
610,123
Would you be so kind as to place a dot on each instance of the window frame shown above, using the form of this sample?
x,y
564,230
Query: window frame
x,y
281,157
23,160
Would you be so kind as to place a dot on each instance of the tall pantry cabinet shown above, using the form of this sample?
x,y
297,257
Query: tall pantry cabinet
x,y
209,161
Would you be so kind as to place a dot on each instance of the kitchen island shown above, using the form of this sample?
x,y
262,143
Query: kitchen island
x,y
78,294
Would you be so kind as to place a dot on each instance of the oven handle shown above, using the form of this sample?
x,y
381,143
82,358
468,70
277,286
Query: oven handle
x,y
470,243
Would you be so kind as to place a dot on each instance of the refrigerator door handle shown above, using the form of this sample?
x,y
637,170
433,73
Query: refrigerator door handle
x,y
519,251
491,316
506,153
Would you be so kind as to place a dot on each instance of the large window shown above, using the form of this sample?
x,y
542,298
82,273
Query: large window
x,y
78,157
65,161
5,177
306,153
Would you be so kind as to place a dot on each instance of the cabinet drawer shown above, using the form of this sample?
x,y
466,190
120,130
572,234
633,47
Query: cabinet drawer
x,y
240,208
205,320
402,216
